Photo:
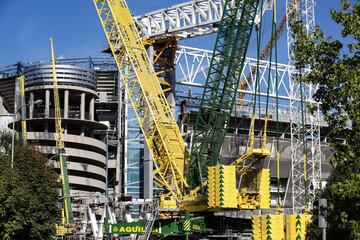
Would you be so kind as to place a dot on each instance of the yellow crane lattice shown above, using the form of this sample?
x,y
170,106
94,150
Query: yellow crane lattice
x,y
153,112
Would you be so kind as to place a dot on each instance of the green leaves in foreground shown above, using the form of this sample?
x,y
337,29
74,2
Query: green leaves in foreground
x,y
337,71
28,194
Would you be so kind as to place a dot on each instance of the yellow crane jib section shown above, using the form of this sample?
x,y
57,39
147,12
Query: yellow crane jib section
x,y
60,146
253,152
58,129
222,192
23,118
153,112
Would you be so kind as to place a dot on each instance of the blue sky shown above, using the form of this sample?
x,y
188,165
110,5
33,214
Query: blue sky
x,y
26,26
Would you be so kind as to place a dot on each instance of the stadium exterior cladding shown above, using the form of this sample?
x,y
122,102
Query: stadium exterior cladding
x,y
106,111
77,95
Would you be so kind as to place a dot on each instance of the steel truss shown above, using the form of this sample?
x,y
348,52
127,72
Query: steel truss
x,y
305,157
193,63
189,19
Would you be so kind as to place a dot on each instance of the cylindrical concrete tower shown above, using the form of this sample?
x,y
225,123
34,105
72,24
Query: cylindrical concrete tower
x,y
77,96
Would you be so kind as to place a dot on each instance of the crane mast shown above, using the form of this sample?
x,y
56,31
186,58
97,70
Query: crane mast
x,y
60,147
306,154
218,98
158,125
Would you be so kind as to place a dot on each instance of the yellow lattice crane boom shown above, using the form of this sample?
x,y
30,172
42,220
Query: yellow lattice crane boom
x,y
60,147
153,112
58,128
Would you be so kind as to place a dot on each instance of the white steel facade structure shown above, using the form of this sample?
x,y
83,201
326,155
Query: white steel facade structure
x,y
305,133
189,19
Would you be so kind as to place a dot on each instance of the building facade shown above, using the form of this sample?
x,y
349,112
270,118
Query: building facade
x,y
77,94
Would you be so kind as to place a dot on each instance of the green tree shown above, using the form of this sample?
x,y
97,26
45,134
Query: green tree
x,y
335,66
28,193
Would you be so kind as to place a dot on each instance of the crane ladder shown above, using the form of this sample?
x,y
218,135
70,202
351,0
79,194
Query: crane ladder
x,y
150,223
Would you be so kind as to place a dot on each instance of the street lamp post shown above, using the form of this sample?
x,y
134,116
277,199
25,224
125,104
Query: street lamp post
x,y
55,156
37,102
52,158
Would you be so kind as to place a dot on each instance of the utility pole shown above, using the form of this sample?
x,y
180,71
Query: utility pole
x,y
322,216
120,140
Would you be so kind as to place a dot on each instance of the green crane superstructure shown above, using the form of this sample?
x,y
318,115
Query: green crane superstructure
x,y
218,98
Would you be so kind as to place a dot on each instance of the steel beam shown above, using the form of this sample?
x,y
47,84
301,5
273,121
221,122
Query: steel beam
x,y
192,66
185,20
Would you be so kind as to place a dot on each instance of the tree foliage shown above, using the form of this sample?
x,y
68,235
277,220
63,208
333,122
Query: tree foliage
x,y
28,193
336,68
